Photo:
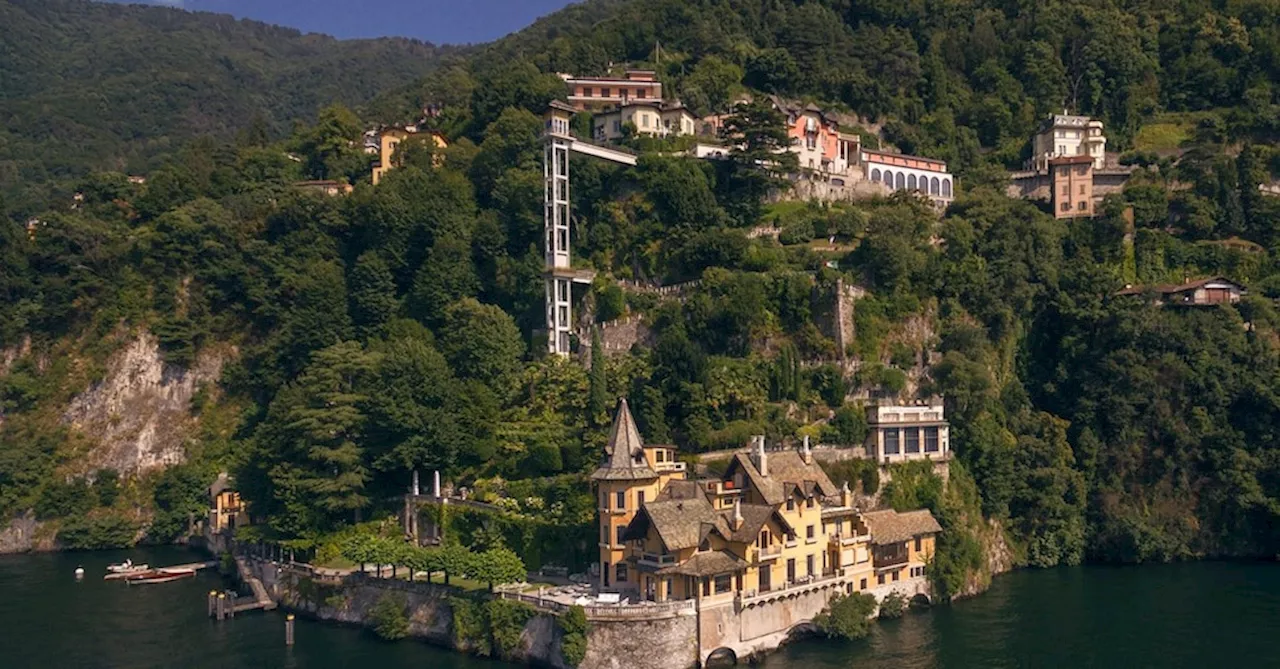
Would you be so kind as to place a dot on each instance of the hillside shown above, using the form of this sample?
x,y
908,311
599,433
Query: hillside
x,y
85,85
362,337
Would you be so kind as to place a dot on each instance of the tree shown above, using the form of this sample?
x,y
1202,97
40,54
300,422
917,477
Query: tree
x,y
372,293
497,566
709,87
893,606
454,560
312,442
332,145
847,616
482,342
598,404
446,276
759,158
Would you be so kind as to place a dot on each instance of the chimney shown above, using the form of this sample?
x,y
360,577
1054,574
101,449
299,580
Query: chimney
x,y
846,495
762,460
435,484
805,453
414,489
736,523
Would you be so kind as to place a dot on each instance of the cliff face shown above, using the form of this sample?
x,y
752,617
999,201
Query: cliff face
x,y
139,415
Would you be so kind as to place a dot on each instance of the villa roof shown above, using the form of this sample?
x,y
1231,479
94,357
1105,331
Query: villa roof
x,y
680,523
891,527
754,517
788,472
562,106
624,454
707,564
220,485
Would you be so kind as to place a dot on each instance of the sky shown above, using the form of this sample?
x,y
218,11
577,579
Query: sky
x,y
438,21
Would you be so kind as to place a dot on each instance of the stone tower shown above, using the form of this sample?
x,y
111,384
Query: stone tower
x,y
624,481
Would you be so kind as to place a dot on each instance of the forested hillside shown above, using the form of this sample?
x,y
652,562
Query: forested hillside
x,y
86,86
395,328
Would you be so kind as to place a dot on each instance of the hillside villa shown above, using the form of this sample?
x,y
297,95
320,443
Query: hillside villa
x,y
755,551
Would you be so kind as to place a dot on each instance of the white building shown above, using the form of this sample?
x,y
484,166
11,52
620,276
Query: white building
x,y
901,432
902,172
654,118
1067,135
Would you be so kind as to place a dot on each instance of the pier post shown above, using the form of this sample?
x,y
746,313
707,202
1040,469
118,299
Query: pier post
x,y
288,630
231,604
213,601
222,606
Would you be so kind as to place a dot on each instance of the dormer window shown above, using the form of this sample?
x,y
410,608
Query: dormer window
x,y
791,504
705,545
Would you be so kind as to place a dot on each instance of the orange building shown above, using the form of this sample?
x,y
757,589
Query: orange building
x,y
390,139
1071,186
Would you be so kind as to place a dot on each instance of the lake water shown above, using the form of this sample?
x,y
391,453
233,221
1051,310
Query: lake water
x,y
1194,615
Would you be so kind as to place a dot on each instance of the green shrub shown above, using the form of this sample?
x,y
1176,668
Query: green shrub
x,y
107,486
388,617
850,425
469,626
506,619
893,606
98,533
573,642
847,617
611,303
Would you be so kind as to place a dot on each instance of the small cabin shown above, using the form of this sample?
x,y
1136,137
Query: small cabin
x,y
227,511
1200,293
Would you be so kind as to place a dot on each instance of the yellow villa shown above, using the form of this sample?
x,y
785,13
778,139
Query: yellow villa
x,y
772,524
390,139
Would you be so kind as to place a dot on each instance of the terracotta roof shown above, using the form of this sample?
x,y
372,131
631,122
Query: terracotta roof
x,y
891,527
562,106
707,564
624,454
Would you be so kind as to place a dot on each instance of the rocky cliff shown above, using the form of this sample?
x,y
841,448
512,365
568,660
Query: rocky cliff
x,y
139,415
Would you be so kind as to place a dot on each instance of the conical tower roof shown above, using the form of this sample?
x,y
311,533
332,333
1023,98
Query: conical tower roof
x,y
624,455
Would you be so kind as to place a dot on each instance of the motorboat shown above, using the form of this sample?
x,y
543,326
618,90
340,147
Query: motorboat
x,y
125,567
132,571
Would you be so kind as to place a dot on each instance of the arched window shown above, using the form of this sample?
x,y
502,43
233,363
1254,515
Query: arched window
x,y
946,188
911,182
933,186
875,176
900,181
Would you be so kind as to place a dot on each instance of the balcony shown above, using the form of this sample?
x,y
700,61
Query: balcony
x,y
664,467
839,539
768,552
658,560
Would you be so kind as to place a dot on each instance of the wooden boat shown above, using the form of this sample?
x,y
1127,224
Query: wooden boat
x,y
161,576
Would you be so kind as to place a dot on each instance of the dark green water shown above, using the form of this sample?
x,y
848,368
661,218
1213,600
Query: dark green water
x,y
1194,615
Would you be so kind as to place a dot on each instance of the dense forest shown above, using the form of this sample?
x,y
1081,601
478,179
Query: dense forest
x,y
85,86
395,328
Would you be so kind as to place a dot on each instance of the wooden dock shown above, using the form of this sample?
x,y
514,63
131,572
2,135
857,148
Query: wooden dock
x,y
193,566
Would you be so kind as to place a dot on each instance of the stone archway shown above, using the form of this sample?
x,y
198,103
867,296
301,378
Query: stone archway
x,y
922,600
721,657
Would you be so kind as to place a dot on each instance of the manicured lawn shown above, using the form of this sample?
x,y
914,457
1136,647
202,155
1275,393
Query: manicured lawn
x,y
1166,132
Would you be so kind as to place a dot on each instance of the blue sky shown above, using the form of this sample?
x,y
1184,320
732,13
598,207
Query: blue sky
x,y
439,21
